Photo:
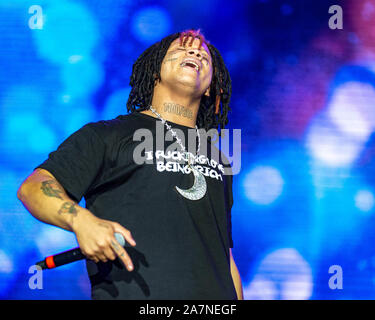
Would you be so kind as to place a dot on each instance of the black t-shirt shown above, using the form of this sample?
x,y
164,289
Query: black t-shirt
x,y
182,249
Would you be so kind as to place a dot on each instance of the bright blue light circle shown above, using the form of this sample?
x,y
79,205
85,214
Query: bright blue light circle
x,y
69,29
81,77
151,24
365,200
263,185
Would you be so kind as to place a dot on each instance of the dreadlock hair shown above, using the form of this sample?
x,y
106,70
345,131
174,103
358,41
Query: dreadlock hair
x,y
213,110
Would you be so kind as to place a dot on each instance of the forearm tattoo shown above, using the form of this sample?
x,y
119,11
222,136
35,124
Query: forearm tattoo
x,y
68,207
178,109
51,189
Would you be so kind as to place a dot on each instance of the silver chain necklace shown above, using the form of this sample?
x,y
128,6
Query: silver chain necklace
x,y
199,188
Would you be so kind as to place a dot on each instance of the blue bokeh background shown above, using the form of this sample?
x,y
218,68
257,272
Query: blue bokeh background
x,y
303,97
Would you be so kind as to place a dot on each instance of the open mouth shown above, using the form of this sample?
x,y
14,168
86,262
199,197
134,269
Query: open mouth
x,y
191,64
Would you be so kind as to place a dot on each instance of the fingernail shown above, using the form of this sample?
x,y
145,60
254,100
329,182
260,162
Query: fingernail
x,y
130,267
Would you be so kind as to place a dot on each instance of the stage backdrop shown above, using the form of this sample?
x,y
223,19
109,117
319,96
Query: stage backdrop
x,y
303,76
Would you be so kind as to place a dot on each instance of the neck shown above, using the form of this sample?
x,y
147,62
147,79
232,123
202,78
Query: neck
x,y
180,110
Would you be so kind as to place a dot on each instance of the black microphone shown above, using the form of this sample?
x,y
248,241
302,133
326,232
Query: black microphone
x,y
70,255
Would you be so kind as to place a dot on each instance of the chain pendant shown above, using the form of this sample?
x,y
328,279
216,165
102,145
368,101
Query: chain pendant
x,y
199,188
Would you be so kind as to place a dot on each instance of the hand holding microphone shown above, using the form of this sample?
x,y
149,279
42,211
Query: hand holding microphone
x,y
70,256
98,239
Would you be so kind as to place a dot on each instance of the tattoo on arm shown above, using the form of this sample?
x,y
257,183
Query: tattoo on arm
x,y
68,207
178,109
51,189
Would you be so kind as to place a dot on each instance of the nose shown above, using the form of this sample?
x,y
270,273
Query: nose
x,y
194,52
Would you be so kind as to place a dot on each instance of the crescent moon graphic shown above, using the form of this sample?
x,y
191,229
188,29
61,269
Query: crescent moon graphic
x,y
199,188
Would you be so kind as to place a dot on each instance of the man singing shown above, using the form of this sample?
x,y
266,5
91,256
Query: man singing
x,y
175,215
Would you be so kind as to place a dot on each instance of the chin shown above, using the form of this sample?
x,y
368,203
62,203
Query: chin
x,y
187,85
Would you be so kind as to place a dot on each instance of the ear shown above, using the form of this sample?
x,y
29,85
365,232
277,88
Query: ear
x,y
156,79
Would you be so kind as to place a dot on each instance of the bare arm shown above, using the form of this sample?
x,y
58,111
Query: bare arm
x,y
47,201
236,277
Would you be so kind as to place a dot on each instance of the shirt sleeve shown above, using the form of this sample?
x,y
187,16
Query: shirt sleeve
x,y
77,161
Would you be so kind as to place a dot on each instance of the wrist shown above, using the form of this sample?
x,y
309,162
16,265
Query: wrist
x,y
79,219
